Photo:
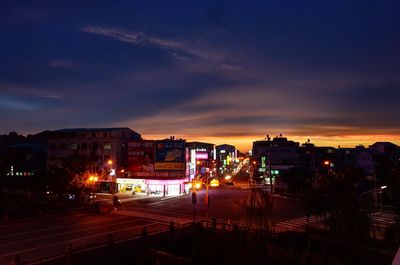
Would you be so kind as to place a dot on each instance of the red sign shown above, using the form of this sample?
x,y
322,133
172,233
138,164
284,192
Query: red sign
x,y
141,156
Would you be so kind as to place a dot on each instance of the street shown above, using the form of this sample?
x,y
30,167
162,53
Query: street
x,y
33,239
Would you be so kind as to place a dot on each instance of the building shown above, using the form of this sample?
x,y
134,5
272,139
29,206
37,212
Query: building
x,y
279,152
155,167
23,156
226,157
201,159
105,148
386,148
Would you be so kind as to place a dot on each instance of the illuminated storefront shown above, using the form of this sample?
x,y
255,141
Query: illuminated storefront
x,y
128,185
155,168
171,187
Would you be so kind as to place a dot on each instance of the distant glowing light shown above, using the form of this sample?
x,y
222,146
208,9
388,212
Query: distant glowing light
x,y
214,183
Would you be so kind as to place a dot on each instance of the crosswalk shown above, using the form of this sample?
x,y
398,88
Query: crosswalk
x,y
178,220
296,224
383,218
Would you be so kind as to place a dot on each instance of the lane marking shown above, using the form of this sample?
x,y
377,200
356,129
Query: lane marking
x,y
37,220
58,227
68,232
72,240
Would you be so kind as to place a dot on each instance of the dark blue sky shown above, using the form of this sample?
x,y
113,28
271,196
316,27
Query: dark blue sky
x,y
208,70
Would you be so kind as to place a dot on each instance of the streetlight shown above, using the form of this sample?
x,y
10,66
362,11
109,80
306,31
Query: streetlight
x,y
92,181
371,191
325,163
197,185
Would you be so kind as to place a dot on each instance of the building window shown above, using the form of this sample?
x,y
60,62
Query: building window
x,y
63,146
95,146
107,146
74,146
105,134
93,135
84,146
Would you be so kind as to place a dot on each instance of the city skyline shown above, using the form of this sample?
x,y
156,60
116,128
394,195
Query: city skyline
x,y
220,72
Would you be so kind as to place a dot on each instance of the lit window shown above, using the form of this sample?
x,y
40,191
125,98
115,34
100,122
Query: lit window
x,y
107,146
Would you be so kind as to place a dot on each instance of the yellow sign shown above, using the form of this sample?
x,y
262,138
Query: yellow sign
x,y
170,166
214,183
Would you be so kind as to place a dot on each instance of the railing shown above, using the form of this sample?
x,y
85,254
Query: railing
x,y
93,246
212,225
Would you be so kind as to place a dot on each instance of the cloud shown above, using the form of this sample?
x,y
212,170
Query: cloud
x,y
49,96
60,64
14,104
183,50
231,67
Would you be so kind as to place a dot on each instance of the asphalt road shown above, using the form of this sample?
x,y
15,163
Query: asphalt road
x,y
47,236
223,205
42,237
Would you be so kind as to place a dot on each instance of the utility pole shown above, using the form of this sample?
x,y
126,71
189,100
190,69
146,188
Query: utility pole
x,y
194,201
270,173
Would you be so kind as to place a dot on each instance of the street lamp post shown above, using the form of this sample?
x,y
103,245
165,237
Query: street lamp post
x,y
325,163
374,190
92,181
194,201
270,174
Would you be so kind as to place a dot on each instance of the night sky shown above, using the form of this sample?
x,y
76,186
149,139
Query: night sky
x,y
217,71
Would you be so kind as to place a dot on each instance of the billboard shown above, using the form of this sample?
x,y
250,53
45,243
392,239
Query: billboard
x,y
170,155
141,157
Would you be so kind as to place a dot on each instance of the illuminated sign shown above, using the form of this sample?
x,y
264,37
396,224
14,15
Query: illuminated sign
x,y
170,155
201,156
170,166
201,150
141,156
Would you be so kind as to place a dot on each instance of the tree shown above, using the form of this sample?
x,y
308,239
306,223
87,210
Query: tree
x,y
256,209
335,194
73,175
298,179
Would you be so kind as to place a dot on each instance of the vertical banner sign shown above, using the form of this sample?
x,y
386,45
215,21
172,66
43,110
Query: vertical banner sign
x,y
192,163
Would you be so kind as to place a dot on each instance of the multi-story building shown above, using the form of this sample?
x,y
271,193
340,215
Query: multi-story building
x,y
226,156
280,151
155,167
106,148
201,159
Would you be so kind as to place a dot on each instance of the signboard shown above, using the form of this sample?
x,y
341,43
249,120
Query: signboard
x,y
170,155
141,156
263,162
201,156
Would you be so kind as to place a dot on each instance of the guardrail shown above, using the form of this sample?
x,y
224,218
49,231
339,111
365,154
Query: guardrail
x,y
212,225
106,243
